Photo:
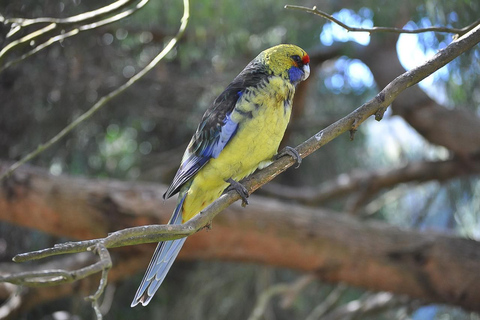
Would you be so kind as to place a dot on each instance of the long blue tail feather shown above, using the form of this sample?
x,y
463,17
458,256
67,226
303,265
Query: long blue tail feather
x,y
162,260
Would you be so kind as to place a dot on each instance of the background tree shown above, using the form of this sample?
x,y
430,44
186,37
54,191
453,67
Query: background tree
x,y
415,169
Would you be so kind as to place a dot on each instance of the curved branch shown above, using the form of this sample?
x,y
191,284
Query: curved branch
x,y
22,22
328,303
62,35
372,182
369,305
329,17
56,24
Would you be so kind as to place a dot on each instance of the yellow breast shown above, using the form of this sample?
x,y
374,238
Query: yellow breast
x,y
263,114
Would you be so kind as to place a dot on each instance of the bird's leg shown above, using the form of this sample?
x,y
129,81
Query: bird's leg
x,y
240,189
292,152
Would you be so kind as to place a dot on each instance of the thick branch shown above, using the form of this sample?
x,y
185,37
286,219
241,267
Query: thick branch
x,y
335,247
374,181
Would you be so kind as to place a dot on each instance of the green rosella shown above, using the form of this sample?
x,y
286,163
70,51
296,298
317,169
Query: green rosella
x,y
239,133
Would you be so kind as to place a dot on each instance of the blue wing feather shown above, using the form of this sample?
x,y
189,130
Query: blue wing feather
x,y
196,160
216,128
227,132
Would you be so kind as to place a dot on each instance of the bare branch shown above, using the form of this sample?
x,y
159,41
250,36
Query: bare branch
x,y
295,289
371,182
327,303
265,298
329,17
55,277
369,304
290,289
333,246
59,276
22,22
88,20
12,304
105,99
62,35
105,263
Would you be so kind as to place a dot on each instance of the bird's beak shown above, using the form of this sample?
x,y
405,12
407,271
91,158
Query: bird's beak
x,y
306,71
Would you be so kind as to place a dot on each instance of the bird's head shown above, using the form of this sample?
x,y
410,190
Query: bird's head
x,y
288,61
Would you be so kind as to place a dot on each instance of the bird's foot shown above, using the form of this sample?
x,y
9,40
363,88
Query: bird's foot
x,y
292,152
240,189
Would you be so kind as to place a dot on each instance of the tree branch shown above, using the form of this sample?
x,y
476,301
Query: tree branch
x,y
328,303
438,124
372,182
88,20
288,289
18,23
329,17
369,305
327,244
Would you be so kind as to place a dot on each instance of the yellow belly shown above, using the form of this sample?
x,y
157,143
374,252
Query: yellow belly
x,y
256,141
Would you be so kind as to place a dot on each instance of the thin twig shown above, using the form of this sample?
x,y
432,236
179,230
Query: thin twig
x,y
327,16
374,181
60,276
23,22
106,265
12,304
368,305
289,297
63,35
327,303
289,289
57,24
265,297
103,101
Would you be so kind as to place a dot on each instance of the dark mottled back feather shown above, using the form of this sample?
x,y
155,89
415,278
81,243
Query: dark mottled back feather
x,y
214,117
200,148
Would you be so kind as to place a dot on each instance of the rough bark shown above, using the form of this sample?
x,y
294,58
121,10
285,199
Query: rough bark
x,y
335,247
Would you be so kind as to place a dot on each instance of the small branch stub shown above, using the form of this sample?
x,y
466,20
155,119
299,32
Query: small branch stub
x,y
379,114
352,134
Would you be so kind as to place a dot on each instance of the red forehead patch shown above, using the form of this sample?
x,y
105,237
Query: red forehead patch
x,y
306,59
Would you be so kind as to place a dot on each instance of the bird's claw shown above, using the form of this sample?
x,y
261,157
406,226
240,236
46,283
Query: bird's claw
x,y
292,152
240,189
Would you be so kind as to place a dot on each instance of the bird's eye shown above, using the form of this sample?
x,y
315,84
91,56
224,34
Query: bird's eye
x,y
296,59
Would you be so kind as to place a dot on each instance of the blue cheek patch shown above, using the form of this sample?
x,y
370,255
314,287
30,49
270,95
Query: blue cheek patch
x,y
295,74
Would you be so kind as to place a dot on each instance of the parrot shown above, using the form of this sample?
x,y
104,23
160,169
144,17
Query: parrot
x,y
239,133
